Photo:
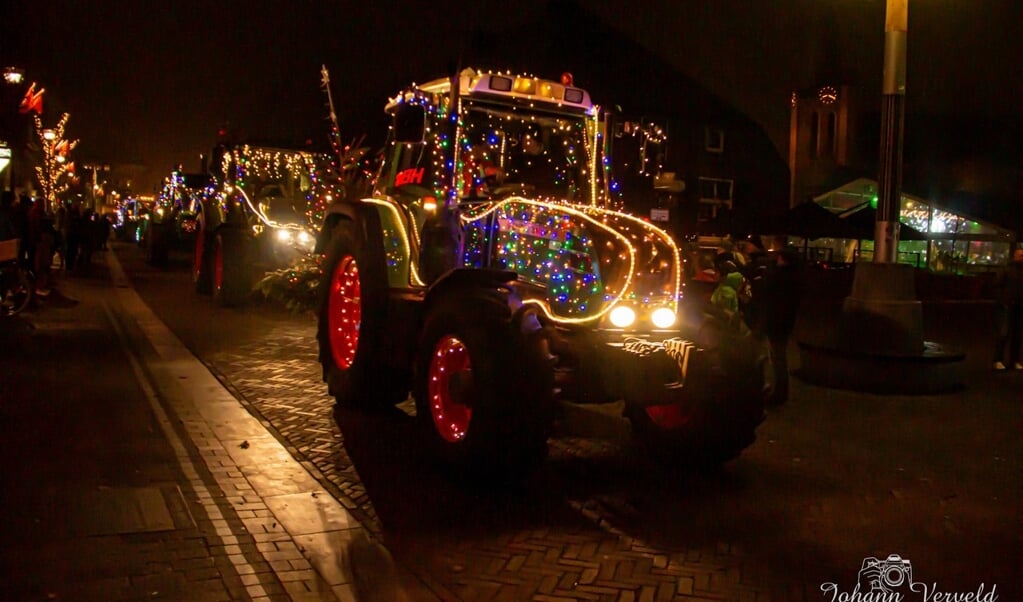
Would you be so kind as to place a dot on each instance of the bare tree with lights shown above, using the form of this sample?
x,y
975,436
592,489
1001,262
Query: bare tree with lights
x,y
56,149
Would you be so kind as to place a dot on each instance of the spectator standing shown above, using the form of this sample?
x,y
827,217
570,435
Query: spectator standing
x,y
777,296
60,234
74,235
104,230
726,295
8,229
87,240
40,230
21,207
1009,318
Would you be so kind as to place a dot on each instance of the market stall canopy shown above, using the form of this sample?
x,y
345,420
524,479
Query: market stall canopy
x,y
863,219
810,220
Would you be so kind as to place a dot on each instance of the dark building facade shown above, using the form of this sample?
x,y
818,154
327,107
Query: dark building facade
x,y
970,164
721,160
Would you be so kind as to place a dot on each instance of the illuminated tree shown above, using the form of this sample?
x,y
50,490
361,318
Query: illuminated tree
x,y
55,165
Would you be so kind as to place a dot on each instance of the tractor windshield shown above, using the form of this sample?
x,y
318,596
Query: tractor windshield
x,y
535,155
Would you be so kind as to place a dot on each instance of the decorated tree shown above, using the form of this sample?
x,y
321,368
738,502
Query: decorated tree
x,y
55,164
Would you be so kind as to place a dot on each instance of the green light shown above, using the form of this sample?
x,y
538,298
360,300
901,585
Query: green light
x,y
873,202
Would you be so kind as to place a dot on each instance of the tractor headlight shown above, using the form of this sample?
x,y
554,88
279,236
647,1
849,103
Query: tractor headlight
x,y
284,235
622,316
305,239
663,317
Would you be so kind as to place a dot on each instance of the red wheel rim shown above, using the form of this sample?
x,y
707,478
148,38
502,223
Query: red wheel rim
x,y
449,384
200,246
344,312
672,416
218,268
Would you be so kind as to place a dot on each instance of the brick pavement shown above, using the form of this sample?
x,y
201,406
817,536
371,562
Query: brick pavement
x,y
132,474
76,458
600,560
827,484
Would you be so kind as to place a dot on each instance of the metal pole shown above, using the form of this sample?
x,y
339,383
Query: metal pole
x,y
893,113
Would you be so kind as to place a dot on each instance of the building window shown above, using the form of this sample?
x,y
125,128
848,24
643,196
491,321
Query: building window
x,y
714,139
715,196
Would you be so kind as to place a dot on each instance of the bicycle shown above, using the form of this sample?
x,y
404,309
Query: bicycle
x,y
17,285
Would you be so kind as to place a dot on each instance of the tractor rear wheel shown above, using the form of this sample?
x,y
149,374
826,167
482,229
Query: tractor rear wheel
x,y
352,315
232,282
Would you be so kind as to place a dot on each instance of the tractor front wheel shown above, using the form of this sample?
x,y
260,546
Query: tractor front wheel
x,y
483,390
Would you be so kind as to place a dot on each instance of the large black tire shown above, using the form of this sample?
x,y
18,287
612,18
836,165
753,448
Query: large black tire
x,y
201,264
730,391
158,244
355,368
507,384
232,275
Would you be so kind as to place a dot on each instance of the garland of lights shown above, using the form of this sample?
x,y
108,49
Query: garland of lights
x,y
540,254
550,241
260,164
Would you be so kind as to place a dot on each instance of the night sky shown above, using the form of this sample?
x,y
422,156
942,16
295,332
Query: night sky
x,y
150,83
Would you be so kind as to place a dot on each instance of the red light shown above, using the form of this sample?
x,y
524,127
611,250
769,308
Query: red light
x,y
566,79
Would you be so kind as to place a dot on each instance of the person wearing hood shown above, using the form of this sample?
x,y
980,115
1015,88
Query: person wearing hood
x,y
726,295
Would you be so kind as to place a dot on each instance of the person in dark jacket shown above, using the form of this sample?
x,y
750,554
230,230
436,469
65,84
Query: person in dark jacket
x,y
1009,315
777,296
8,229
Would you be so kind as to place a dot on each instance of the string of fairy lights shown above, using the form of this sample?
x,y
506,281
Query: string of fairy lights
x,y
588,258
54,163
587,255
312,174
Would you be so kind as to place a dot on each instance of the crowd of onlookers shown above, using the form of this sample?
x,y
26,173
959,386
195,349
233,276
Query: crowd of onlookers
x,y
755,287
64,237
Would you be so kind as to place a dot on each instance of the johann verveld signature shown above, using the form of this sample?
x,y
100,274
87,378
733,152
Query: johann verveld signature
x,y
891,580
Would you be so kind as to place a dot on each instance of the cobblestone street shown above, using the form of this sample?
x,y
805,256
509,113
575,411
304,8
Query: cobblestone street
x,y
835,477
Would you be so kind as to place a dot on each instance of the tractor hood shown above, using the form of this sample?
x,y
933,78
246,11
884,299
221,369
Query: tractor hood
x,y
589,260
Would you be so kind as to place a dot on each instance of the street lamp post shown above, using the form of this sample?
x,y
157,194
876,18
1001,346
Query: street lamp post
x,y
13,76
878,344
882,315
893,114
95,168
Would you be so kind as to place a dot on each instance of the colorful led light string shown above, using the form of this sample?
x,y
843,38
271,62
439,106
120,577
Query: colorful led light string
x,y
403,237
272,166
561,282
610,300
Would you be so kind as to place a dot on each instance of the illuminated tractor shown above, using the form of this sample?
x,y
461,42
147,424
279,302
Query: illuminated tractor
x,y
253,217
489,276
174,219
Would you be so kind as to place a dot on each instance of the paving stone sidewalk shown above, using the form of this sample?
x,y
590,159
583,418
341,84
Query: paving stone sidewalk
x,y
129,473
